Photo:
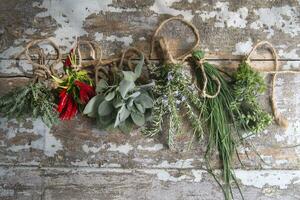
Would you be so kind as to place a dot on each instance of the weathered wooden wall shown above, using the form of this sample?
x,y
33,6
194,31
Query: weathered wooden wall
x,y
75,160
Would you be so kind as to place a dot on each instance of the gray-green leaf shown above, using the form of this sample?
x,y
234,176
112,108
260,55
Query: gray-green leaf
x,y
105,108
138,118
129,75
122,115
125,87
110,96
91,108
145,100
101,86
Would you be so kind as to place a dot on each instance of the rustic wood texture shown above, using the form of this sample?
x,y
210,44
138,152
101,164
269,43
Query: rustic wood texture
x,y
75,160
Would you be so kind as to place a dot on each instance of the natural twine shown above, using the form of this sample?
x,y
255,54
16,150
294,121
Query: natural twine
x,y
40,69
279,118
95,53
168,58
194,29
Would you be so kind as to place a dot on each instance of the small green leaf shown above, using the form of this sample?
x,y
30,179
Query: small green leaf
x,y
122,115
125,127
110,96
139,66
129,75
105,108
140,107
138,118
125,87
91,108
101,86
134,95
118,102
145,100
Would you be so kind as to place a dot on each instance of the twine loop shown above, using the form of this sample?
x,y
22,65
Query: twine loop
x,y
164,45
95,53
42,70
279,118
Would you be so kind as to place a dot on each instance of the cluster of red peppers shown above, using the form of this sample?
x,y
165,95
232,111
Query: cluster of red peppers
x,y
75,89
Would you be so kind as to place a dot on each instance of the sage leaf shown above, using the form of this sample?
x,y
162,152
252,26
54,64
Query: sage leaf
x,y
138,118
110,96
91,107
105,108
125,87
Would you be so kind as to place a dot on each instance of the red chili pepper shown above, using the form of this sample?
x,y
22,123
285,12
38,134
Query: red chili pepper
x,y
74,110
68,111
62,101
85,91
68,62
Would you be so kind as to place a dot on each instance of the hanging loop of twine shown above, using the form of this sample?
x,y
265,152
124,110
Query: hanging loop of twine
x,y
279,118
40,69
134,50
95,53
165,45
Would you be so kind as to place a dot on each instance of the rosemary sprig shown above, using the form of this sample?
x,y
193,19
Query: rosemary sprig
x,y
34,100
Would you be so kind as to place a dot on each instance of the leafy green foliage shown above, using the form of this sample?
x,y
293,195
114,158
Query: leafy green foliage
x,y
174,95
248,84
34,100
123,103
218,117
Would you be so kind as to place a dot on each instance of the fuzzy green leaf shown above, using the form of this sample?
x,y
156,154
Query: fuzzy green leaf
x,y
105,108
122,115
101,86
125,87
110,96
145,100
138,118
91,108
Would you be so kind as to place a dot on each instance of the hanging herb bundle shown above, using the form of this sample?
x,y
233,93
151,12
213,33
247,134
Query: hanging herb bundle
x,y
218,115
123,103
246,87
36,99
75,89
174,94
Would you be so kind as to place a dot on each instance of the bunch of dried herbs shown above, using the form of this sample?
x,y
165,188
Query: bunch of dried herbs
x,y
247,85
174,100
34,100
122,104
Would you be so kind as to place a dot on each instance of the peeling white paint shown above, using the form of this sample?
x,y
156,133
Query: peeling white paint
x,y
125,149
71,16
224,17
164,175
285,19
155,148
292,54
260,179
178,164
242,48
197,174
87,149
127,40
164,7
47,142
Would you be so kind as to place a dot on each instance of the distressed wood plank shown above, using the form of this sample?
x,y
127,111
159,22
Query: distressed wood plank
x,y
12,68
80,143
225,27
91,183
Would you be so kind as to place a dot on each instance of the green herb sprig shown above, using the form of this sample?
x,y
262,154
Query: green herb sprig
x,y
248,84
34,100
